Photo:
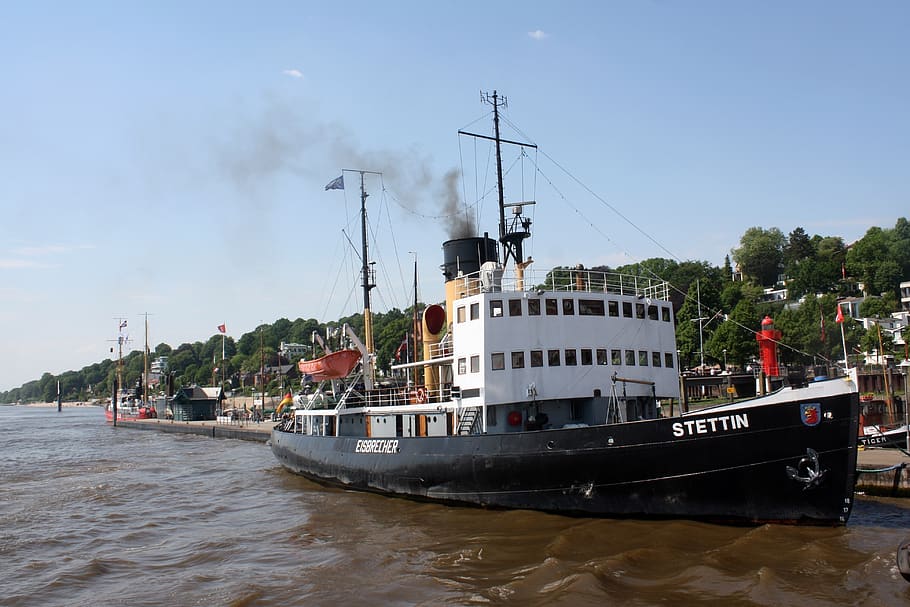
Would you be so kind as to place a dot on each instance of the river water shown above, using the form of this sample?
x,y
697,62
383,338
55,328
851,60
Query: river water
x,y
93,515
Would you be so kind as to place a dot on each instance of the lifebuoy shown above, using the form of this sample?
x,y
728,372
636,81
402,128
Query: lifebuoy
x,y
421,395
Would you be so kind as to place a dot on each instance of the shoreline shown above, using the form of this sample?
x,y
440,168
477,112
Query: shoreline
x,y
65,404
231,402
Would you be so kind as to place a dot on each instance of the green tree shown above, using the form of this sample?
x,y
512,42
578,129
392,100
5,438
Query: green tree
x,y
391,329
760,254
797,249
881,258
692,333
878,307
876,340
736,335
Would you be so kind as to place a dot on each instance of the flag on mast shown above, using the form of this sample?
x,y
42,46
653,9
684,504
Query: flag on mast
x,y
840,315
222,328
336,184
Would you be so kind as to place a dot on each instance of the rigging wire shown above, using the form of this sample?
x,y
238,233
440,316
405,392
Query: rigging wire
x,y
685,295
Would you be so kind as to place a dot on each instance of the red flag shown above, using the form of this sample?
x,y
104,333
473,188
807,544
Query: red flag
x,y
222,329
402,346
840,315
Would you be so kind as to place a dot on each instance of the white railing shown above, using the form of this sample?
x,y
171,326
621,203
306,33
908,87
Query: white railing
x,y
567,280
378,397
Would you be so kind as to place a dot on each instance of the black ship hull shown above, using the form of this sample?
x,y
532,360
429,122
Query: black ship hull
x,y
747,465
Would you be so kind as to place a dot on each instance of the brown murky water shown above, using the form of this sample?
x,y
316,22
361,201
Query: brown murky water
x,y
91,515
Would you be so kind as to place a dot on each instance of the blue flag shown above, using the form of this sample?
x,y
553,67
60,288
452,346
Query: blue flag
x,y
336,184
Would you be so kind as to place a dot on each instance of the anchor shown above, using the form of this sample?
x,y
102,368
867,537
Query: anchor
x,y
807,471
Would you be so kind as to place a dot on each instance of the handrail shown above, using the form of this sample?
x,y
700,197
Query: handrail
x,y
566,280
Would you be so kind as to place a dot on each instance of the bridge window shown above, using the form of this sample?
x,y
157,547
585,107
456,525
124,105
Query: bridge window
x,y
475,363
460,314
514,307
668,360
462,366
627,309
655,359
518,360
495,308
616,357
568,307
652,313
536,358
533,307
553,358
665,314
498,361
642,358
639,310
586,356
590,307
630,358
571,357
475,311
601,356
552,307
613,308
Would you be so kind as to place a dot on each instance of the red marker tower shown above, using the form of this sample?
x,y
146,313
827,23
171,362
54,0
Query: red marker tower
x,y
767,345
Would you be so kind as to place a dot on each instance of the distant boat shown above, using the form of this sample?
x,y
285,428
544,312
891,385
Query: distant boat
x,y
331,366
552,396
129,408
126,403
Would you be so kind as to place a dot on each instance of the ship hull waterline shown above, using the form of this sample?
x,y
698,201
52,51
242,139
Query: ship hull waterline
x,y
645,469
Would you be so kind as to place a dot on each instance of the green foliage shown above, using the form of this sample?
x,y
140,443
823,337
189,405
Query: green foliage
x,y
760,254
736,335
878,307
877,340
881,258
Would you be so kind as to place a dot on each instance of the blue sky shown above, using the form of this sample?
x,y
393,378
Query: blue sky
x,y
170,157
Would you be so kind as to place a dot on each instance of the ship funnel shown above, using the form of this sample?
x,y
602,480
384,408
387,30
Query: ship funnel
x,y
463,256
462,260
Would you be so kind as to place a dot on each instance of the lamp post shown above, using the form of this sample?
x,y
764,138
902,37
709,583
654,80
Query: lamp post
x,y
905,371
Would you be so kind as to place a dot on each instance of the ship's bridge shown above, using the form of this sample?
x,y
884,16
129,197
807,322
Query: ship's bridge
x,y
567,334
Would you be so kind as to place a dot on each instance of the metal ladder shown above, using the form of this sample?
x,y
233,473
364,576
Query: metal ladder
x,y
468,420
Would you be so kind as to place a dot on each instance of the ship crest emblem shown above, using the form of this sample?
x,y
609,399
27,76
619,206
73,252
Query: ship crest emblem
x,y
811,414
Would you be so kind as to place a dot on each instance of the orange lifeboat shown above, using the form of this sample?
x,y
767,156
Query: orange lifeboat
x,y
331,366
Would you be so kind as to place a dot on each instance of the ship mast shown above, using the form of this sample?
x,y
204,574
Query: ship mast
x,y
367,284
145,364
511,234
496,102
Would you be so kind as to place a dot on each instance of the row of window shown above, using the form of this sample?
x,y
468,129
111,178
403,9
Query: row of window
x,y
570,357
552,307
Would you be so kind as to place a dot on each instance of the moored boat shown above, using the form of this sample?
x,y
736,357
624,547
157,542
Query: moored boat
x,y
556,395
878,436
129,408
